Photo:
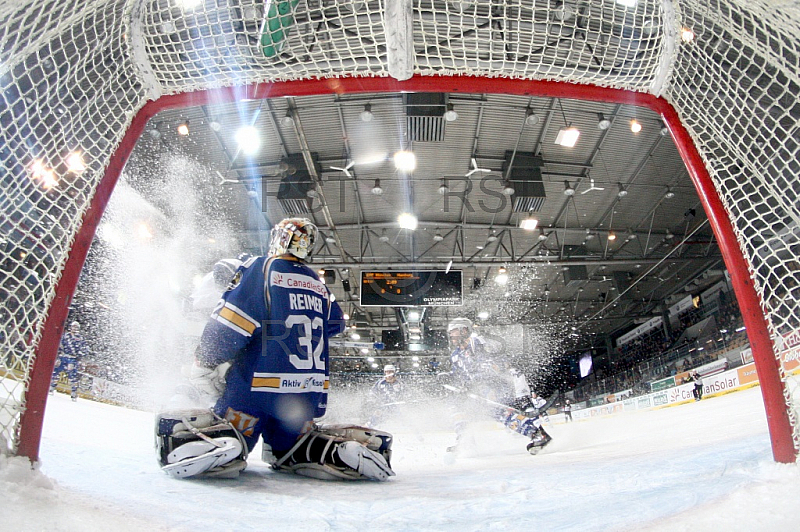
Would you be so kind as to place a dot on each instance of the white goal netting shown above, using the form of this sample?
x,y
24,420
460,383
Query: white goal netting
x,y
74,75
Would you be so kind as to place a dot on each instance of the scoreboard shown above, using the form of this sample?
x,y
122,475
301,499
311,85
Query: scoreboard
x,y
423,288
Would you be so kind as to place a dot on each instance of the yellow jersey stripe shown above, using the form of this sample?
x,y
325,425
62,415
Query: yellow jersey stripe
x,y
261,382
237,319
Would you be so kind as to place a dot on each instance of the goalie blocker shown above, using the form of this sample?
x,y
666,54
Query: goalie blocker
x,y
198,443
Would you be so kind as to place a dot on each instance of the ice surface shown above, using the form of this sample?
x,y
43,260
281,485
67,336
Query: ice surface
x,y
705,465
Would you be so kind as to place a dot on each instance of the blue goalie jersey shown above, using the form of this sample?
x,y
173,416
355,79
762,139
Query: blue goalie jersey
x,y
272,324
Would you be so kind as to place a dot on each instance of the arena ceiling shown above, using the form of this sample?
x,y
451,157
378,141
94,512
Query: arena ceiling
x,y
319,157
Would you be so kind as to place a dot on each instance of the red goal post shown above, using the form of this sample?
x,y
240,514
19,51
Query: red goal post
x,y
671,83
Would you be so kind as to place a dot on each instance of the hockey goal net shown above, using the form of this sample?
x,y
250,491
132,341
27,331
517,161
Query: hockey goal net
x,y
80,79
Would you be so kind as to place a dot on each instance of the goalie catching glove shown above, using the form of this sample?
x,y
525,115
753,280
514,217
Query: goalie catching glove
x,y
209,382
338,452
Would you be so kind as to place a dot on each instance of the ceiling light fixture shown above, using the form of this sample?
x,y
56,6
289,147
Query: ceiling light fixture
x,y
183,128
450,115
366,114
75,163
568,137
214,125
508,188
687,35
502,276
664,130
612,236
189,4
622,192
438,237
248,139
443,188
635,126
407,221
288,119
405,161
531,118
492,236
384,237
669,194
542,235
603,122
568,190
529,223
377,190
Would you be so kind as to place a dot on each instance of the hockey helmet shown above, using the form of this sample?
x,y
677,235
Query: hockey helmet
x,y
389,369
459,323
75,327
459,330
295,236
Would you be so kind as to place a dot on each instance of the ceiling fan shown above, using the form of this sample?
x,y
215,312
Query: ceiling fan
x,y
224,180
346,169
592,187
475,168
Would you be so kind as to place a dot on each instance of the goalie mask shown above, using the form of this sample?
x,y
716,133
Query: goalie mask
x,y
459,331
295,236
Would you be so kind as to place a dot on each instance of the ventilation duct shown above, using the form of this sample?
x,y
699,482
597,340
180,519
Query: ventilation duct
x,y
622,281
526,179
295,184
575,275
425,116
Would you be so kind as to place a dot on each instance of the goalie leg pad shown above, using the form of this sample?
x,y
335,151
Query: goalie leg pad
x,y
215,458
192,443
374,439
328,456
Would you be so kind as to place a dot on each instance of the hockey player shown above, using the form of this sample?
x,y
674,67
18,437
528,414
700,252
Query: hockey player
x,y
473,371
697,391
70,352
385,394
389,388
271,328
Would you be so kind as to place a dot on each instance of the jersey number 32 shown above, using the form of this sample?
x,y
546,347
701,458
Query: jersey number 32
x,y
306,343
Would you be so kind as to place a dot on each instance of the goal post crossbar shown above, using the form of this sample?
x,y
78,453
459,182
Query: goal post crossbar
x,y
757,328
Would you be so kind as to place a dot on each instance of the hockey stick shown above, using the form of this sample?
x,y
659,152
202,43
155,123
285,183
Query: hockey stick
x,y
484,399
533,412
396,403
549,402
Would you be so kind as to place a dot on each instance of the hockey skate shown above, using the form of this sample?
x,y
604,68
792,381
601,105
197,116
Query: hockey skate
x,y
465,445
539,439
